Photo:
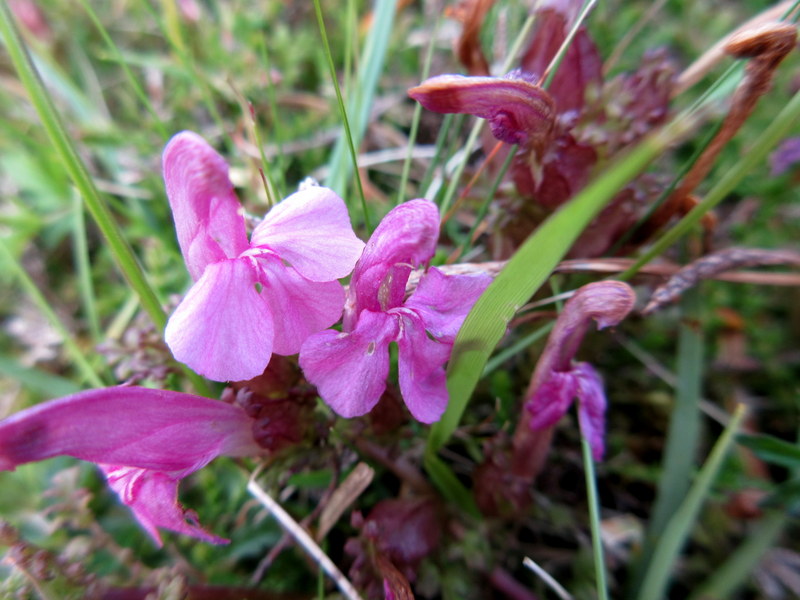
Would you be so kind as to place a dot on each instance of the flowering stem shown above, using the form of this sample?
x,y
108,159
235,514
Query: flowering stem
x,y
594,519
302,538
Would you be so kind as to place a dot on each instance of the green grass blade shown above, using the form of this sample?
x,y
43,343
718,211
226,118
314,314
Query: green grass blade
x,y
47,384
683,435
73,164
733,573
339,166
363,92
84,268
594,520
527,270
676,533
11,264
779,128
118,57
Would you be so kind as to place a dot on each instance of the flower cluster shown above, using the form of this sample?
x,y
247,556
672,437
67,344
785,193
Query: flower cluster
x,y
276,292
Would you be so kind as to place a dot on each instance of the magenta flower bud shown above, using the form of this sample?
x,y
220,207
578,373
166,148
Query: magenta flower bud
x,y
557,380
519,111
144,440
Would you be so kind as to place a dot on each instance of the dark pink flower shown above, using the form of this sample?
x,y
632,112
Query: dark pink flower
x,y
557,380
350,368
251,298
144,440
518,110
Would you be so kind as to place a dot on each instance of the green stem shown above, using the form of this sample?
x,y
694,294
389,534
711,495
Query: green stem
x,y
594,519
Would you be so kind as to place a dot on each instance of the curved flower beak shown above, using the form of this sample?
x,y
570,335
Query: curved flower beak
x,y
518,111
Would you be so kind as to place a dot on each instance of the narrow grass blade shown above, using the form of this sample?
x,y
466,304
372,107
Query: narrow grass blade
x,y
84,268
527,270
73,164
678,464
75,353
676,533
362,92
132,81
594,519
47,384
339,167
734,571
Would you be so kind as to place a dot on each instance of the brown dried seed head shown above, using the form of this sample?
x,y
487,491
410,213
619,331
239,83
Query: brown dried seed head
x,y
772,40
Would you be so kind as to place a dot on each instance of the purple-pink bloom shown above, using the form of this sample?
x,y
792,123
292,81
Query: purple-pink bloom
x,y
557,380
350,368
785,156
144,440
518,110
251,298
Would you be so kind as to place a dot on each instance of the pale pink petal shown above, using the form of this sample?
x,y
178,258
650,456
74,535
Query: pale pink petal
x,y
591,407
311,231
552,399
153,498
301,307
404,239
421,371
443,301
207,214
223,328
350,369
139,427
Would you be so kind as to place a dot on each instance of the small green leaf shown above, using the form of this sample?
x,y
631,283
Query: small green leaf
x,y
772,450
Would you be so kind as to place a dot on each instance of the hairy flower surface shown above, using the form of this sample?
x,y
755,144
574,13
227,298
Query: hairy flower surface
x,y
251,298
144,440
558,380
350,368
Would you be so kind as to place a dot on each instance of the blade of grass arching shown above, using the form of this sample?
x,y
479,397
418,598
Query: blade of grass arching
x,y
40,98
84,268
678,463
780,127
594,520
361,94
412,136
527,270
737,568
449,485
119,58
338,175
656,578
12,265
552,68
36,380
72,163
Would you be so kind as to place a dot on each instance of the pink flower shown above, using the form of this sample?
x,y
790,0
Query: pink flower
x,y
350,368
251,299
144,440
557,380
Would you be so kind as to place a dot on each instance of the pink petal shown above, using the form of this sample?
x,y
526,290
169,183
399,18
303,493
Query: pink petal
x,y
311,231
207,214
303,307
138,427
443,301
591,407
153,498
350,369
404,239
421,370
223,328
552,399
